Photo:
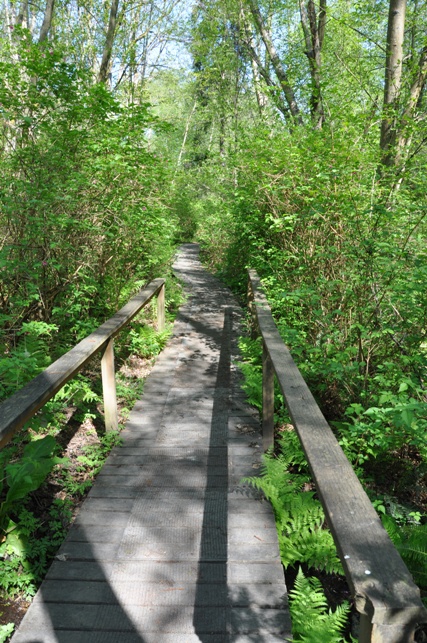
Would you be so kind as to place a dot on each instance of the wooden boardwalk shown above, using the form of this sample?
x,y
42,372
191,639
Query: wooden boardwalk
x,y
169,547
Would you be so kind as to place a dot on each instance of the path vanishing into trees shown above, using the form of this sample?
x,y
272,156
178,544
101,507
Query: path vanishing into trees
x,y
169,546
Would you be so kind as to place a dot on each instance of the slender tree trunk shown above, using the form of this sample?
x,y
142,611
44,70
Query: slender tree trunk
x,y
404,135
47,21
249,42
276,62
22,14
393,80
184,140
109,41
314,31
8,21
261,70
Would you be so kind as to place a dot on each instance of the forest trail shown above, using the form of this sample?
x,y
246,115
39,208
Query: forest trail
x,y
169,547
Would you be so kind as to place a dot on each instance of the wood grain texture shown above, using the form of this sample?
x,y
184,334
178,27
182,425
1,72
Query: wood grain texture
x,y
108,373
19,408
267,400
161,309
380,581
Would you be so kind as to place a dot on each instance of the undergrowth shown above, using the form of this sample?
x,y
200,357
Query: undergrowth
x,y
300,520
303,536
303,540
312,620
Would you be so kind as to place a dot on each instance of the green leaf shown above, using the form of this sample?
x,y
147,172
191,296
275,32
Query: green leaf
x,y
16,543
28,474
407,417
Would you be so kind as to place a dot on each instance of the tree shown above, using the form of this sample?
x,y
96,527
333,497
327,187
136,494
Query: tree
x,y
47,20
314,32
401,101
109,40
278,66
393,79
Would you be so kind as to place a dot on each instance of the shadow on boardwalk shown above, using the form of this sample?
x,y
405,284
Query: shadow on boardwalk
x,y
213,544
169,547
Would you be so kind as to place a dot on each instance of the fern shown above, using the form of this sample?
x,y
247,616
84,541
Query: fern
x,y
411,543
315,547
252,384
299,516
312,621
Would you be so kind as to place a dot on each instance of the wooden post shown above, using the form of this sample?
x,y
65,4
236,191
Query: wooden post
x,y
251,308
365,629
161,309
109,388
267,399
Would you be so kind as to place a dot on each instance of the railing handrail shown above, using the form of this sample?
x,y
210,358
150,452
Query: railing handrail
x,y
385,594
24,404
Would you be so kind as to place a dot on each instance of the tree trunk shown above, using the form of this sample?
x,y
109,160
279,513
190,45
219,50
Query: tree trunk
x,y
314,32
47,21
258,70
404,136
22,15
184,140
109,40
276,62
393,80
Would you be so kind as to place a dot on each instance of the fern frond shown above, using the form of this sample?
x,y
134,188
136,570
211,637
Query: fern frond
x,y
392,528
413,550
315,547
312,622
411,543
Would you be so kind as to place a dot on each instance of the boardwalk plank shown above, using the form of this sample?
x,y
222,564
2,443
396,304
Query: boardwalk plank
x,y
170,546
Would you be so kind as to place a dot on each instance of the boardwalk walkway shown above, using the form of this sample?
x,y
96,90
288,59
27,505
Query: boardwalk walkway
x,y
169,547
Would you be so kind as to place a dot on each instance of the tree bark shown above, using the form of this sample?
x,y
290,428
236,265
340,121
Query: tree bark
x,y
393,80
22,15
276,62
405,131
258,69
47,21
314,32
109,41
251,48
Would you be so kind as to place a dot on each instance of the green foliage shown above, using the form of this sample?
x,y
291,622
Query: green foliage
x,y
312,621
79,173
89,464
79,392
251,367
411,542
27,358
96,454
145,341
6,631
25,476
300,520
399,422
28,550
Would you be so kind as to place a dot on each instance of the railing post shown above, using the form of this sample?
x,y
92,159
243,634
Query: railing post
x,y
365,629
251,307
161,309
267,399
109,387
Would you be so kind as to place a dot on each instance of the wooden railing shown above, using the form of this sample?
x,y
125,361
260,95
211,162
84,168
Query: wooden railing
x,y
25,403
389,603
